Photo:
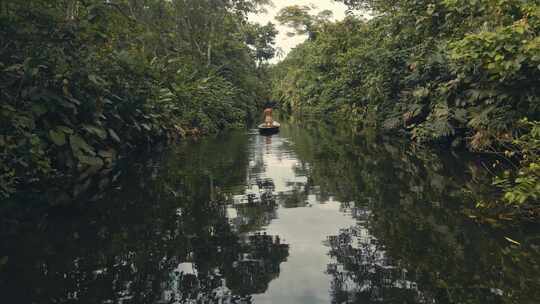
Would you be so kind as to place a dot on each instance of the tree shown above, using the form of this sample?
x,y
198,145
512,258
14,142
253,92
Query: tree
x,y
262,39
298,18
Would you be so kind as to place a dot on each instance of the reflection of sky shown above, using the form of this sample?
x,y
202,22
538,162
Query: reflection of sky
x,y
281,171
273,159
302,278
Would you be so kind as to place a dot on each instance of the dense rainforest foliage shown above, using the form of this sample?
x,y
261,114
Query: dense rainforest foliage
x,y
452,72
82,82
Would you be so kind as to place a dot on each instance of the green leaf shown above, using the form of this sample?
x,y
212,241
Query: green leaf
x,y
57,137
146,127
99,132
67,105
90,161
94,79
421,92
79,146
39,109
65,129
114,136
461,115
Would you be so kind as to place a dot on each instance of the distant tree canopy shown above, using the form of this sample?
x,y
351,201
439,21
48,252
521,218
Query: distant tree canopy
x,y
262,38
298,18
83,81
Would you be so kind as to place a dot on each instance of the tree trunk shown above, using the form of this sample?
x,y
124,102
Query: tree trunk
x,y
209,50
71,9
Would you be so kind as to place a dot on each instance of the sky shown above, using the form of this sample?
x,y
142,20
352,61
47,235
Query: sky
x,y
283,41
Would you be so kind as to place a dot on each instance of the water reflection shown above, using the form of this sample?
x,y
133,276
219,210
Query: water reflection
x,y
162,236
412,241
312,215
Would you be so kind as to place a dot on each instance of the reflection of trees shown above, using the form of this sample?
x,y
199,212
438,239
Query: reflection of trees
x,y
252,217
129,247
363,273
258,265
295,197
249,271
418,232
255,207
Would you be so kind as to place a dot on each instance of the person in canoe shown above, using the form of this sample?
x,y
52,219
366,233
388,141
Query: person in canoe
x,y
268,120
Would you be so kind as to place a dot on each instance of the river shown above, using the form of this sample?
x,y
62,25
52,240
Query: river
x,y
311,215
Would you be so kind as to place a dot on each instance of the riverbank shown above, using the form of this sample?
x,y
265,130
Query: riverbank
x,y
454,74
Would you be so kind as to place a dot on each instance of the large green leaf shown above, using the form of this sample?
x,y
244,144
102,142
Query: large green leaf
x,y
80,147
57,137
98,131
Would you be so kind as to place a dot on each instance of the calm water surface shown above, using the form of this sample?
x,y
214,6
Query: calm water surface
x,y
311,215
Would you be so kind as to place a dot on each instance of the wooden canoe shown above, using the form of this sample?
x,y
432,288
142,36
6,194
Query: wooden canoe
x,y
264,129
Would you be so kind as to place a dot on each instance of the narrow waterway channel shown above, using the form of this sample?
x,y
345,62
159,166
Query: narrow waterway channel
x,y
310,215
